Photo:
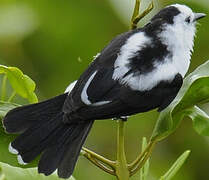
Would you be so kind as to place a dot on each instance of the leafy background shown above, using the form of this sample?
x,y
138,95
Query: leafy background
x,y
54,41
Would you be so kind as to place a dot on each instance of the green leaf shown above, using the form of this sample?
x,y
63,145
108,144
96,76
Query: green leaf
x,y
5,139
200,120
194,91
11,173
6,107
22,84
175,167
145,169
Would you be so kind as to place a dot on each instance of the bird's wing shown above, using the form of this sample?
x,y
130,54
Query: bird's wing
x,y
97,80
106,98
99,98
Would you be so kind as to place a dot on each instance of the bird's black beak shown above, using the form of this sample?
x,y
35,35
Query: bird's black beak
x,y
198,16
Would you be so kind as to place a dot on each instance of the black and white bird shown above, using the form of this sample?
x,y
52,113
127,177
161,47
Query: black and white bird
x,y
137,71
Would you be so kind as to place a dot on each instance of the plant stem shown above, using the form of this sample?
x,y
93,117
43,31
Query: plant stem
x,y
142,155
12,96
122,171
120,168
3,88
136,10
97,163
138,16
141,160
145,169
99,157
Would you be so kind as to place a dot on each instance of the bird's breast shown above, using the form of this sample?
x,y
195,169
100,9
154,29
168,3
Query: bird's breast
x,y
143,82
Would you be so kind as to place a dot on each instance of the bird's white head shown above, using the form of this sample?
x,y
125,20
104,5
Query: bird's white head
x,y
186,15
179,24
175,26
184,26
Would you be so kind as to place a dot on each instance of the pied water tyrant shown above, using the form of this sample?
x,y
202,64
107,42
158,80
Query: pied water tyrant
x,y
137,71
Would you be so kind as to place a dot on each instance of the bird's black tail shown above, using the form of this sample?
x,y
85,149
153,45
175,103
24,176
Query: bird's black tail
x,y
42,131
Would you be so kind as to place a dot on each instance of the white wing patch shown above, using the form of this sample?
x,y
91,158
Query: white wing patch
x,y
165,71
128,50
70,87
100,103
84,95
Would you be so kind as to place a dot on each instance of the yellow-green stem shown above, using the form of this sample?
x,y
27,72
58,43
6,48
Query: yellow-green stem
x,y
12,96
122,171
99,157
138,16
141,156
136,9
97,163
145,155
3,88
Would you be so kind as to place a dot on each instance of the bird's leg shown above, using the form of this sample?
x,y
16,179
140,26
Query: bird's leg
x,y
136,17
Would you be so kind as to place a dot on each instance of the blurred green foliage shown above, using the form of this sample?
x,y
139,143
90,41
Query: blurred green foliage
x,y
54,41
8,172
175,167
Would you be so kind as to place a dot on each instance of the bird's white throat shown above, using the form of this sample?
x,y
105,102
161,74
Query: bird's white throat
x,y
180,41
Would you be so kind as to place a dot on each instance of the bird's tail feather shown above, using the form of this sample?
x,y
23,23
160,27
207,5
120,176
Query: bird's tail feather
x,y
42,131
20,119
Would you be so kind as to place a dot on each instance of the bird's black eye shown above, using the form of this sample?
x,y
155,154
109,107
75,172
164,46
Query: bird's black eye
x,y
188,19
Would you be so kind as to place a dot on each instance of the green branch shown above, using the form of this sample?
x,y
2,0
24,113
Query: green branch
x,y
142,158
3,88
12,96
122,171
98,161
138,16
